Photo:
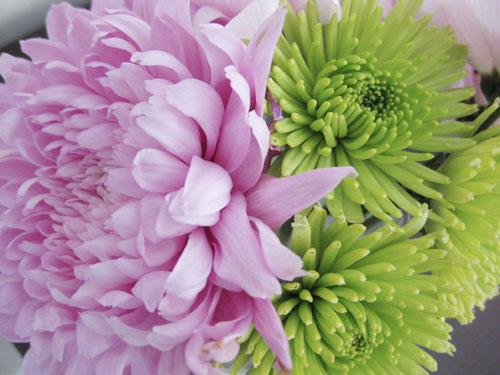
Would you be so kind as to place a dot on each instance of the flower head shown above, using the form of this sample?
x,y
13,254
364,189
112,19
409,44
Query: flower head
x,y
367,305
136,226
366,93
468,219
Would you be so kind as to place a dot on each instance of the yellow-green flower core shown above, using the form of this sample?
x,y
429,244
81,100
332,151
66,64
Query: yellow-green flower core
x,y
371,94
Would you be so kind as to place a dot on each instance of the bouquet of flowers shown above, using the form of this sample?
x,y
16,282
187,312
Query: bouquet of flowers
x,y
287,187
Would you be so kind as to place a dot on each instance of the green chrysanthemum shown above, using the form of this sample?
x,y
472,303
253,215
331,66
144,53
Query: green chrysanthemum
x,y
369,94
469,220
367,306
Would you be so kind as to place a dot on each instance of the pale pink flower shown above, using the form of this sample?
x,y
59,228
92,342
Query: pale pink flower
x,y
136,227
476,25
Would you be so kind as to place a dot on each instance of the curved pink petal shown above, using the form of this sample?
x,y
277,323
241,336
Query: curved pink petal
x,y
158,172
166,226
231,318
126,219
130,335
173,308
198,100
133,27
260,55
235,134
274,200
150,289
174,131
250,170
91,343
116,360
269,325
194,349
166,336
195,261
282,261
239,258
163,59
207,190
174,362
246,22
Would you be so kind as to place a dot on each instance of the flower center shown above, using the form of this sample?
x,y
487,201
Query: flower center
x,y
351,103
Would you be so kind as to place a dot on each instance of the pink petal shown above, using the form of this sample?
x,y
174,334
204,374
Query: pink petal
x,y
191,271
232,317
130,335
207,190
160,253
173,308
207,109
283,262
120,180
269,325
275,200
133,27
166,226
115,361
246,23
90,343
120,299
174,362
97,137
193,355
235,134
260,54
177,133
126,219
222,49
229,43
151,288
250,170
167,336
162,59
158,172
239,258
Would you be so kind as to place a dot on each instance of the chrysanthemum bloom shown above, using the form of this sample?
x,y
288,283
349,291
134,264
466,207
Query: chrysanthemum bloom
x,y
469,221
136,231
368,305
369,94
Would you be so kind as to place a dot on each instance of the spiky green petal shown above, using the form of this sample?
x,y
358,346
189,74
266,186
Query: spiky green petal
x,y
469,221
370,94
367,305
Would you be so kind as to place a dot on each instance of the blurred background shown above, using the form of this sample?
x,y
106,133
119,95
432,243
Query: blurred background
x,y
478,344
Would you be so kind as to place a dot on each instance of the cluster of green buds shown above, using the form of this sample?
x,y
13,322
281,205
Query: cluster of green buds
x,y
370,94
366,307
468,218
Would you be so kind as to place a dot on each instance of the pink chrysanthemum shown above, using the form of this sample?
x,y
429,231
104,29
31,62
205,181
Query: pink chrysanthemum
x,y
136,229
